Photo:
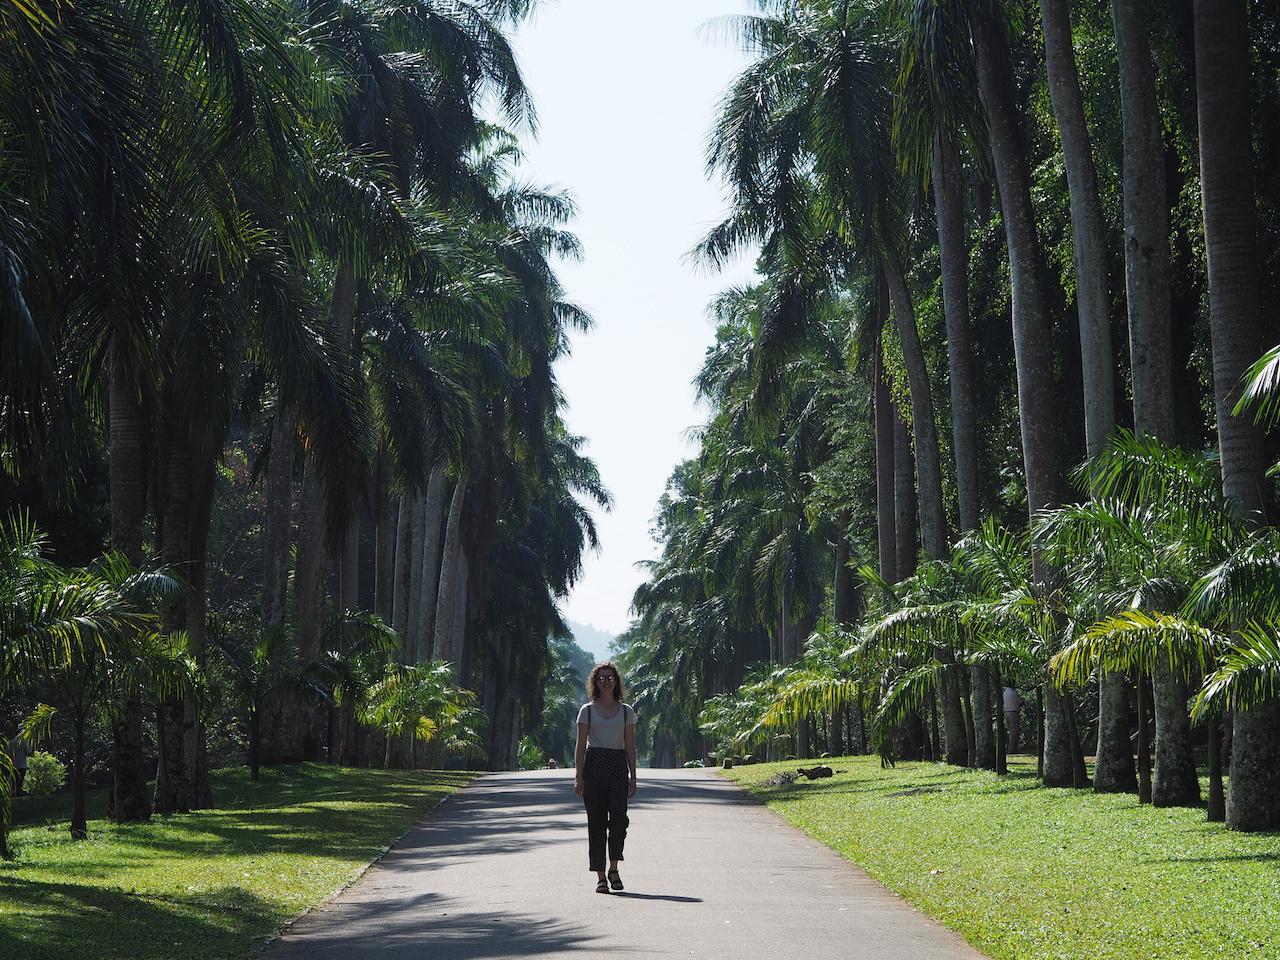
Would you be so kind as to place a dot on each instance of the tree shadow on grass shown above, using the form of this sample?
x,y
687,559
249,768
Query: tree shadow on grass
x,y
61,920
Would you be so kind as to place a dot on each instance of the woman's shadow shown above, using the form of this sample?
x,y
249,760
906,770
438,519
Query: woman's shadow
x,y
656,896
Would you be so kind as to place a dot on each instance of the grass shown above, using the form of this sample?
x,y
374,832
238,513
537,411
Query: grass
x,y
1024,872
206,885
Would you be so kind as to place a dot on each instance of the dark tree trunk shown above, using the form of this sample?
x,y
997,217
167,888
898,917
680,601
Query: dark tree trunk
x,y
1146,225
282,739
413,600
308,599
1217,808
176,552
1146,247
193,737
933,520
402,579
429,585
452,580
953,256
1058,758
1174,782
255,742
842,586
276,536
79,789
1144,743
997,706
953,720
128,478
1089,241
385,522
308,589
1113,770
984,743
904,499
1032,332
886,534
1223,97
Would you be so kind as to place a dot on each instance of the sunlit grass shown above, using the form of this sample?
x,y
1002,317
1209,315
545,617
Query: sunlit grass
x,y
212,884
1026,873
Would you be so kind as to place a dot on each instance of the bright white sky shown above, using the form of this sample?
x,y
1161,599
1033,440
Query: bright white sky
x,y
625,95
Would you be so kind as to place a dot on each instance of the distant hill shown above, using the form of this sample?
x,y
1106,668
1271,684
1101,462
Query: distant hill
x,y
591,639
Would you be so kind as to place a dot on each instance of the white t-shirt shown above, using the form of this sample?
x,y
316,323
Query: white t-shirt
x,y
1012,700
606,733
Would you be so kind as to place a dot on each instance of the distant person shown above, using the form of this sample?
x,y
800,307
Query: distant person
x,y
18,753
1012,715
552,765
605,754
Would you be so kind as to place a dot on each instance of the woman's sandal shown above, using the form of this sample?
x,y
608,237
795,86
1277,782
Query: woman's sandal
x,y
615,880
602,886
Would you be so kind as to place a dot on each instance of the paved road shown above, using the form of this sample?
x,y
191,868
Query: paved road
x,y
500,870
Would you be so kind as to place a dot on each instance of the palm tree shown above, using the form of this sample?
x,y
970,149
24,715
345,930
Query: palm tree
x,y
1230,229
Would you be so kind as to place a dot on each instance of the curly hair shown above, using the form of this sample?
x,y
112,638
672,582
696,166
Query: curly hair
x,y
593,684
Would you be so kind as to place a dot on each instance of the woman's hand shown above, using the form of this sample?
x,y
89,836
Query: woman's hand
x,y
631,786
577,786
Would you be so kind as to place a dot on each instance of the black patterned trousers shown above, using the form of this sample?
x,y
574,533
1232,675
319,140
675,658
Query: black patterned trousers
x,y
605,776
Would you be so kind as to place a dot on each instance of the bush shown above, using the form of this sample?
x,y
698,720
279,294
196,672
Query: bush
x,y
531,755
46,774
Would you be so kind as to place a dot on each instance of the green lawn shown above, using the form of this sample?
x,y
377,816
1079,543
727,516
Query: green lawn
x,y
1026,873
213,884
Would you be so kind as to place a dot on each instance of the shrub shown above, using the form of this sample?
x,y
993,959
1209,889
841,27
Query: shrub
x,y
46,774
531,755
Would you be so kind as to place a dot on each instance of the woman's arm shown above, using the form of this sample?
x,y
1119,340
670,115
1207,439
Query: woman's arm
x,y
579,755
629,740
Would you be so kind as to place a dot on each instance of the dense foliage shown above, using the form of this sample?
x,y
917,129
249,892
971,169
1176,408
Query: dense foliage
x,y
277,384
998,240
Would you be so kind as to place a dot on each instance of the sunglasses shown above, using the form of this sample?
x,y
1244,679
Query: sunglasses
x,y
606,676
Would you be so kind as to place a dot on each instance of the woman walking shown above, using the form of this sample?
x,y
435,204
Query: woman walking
x,y
605,755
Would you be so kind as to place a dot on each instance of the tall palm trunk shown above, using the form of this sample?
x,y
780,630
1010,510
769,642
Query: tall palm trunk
x,y
174,794
1230,230
429,581
79,778
280,740
276,535
842,588
1114,756
308,583
1032,333
1088,235
451,577
128,467
460,599
953,256
385,521
308,598
195,747
984,737
341,320
904,498
933,521
413,605
1146,270
403,566
886,535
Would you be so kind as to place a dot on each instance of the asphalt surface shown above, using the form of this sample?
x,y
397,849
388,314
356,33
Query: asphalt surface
x,y
500,870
